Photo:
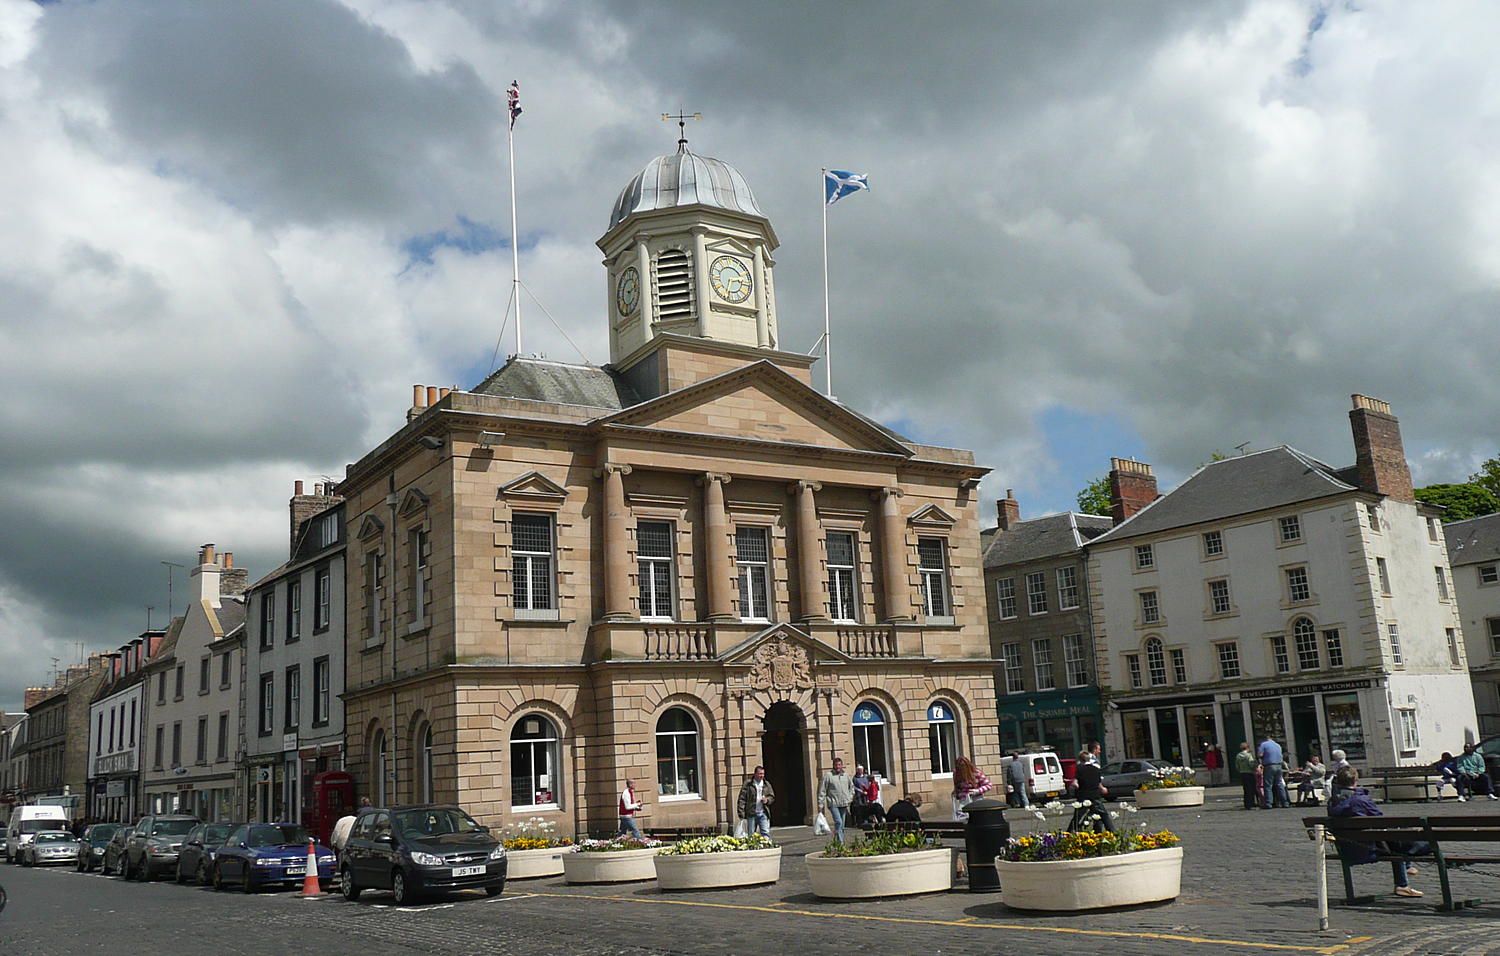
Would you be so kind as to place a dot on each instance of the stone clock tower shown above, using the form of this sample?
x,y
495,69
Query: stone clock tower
x,y
688,253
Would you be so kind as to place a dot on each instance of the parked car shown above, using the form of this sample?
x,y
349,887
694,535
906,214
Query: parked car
x,y
153,847
92,843
1122,777
258,855
416,850
28,820
114,852
195,861
49,846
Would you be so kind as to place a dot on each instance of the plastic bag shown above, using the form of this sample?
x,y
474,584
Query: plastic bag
x,y
820,825
742,829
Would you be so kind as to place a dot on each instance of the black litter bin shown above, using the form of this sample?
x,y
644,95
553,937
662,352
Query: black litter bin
x,y
984,839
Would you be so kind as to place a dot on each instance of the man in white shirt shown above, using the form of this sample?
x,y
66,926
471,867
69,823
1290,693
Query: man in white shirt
x,y
628,806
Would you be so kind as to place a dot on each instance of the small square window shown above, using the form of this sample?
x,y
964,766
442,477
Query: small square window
x,y
1489,574
1005,595
1229,660
1374,517
1150,609
1297,587
1291,529
1218,594
1335,647
1145,557
1213,543
1410,737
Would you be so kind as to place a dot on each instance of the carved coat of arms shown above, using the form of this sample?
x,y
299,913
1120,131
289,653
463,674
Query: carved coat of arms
x,y
780,665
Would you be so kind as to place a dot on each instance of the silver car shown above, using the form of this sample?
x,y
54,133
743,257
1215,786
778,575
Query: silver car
x,y
50,846
1123,776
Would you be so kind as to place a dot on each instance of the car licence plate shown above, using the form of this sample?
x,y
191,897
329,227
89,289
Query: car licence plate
x,y
296,870
468,871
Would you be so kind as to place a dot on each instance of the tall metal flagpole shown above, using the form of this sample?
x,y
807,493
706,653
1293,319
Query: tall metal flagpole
x,y
827,334
515,239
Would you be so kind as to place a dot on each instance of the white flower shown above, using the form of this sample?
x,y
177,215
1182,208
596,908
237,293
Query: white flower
x,y
1130,807
1053,805
1113,815
1077,804
1039,814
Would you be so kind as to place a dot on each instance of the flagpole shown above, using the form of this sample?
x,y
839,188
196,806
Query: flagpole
x,y
515,239
827,335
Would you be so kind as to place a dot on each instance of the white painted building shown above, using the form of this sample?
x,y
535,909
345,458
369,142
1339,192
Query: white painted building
x,y
1474,552
1271,593
116,722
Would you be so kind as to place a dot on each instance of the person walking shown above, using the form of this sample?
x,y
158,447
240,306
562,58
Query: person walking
x,y
1272,764
835,794
1092,812
969,784
628,806
1212,761
754,803
1015,782
1470,765
859,808
1245,766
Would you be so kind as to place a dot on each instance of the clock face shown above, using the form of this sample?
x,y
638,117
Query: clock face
x,y
628,291
730,279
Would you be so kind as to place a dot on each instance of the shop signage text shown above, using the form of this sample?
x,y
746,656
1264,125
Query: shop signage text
x,y
1312,689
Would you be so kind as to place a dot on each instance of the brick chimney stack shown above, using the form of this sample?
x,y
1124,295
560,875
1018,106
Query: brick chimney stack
x,y
1132,487
304,506
1009,509
35,695
1378,453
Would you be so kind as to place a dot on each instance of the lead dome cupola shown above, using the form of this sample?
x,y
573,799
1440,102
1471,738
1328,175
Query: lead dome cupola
x,y
684,178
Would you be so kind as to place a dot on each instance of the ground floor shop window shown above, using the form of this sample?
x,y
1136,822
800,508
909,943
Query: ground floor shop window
x,y
677,754
1267,720
869,738
1346,730
1137,726
533,763
1201,732
942,738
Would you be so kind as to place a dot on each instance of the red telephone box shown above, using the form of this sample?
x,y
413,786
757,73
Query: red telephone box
x,y
333,797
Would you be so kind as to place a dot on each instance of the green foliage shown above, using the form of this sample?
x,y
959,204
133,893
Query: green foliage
x,y
1461,501
882,844
1488,476
718,844
1094,498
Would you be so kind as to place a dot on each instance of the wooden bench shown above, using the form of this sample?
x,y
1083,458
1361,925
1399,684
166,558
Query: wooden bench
x,y
678,833
1434,831
940,829
1425,777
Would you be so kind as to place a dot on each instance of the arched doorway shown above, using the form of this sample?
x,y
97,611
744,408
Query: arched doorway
x,y
783,754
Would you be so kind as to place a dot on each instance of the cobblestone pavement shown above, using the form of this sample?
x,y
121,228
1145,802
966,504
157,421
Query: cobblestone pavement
x,y
1248,887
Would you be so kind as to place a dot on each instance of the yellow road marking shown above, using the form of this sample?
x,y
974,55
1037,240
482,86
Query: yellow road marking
x,y
972,922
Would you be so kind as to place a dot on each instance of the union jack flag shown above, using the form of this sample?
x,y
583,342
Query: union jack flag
x,y
514,96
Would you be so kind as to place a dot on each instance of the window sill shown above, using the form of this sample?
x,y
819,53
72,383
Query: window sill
x,y
1150,625
204,692
680,798
417,628
537,806
371,646
940,621
292,640
320,629
1233,612
319,724
1037,613
1291,544
943,776
535,614
1009,618
1070,607
224,686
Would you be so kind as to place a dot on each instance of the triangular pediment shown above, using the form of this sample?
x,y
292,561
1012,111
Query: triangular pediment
x,y
933,515
778,639
413,502
534,486
764,403
370,527
731,246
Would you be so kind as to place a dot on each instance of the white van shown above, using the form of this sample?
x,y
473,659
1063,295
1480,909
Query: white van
x,y
27,821
1044,775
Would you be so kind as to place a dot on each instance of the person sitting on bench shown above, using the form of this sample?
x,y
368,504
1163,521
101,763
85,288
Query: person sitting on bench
x,y
906,809
1350,800
1471,775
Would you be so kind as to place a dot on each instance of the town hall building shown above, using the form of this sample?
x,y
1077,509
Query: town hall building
x,y
667,569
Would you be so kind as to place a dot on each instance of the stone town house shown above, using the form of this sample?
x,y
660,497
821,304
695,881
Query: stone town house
x,y
57,733
669,569
1474,552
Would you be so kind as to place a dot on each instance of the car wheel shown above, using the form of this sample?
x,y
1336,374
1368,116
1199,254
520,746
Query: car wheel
x,y
25,861
402,893
202,875
218,880
247,885
347,884
177,876
494,890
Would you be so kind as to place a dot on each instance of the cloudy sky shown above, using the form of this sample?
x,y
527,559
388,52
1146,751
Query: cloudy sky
x,y
233,235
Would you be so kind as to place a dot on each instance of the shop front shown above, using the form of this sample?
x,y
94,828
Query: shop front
x,y
1063,721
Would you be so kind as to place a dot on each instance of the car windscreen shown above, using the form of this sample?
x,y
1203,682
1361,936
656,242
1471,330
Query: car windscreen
x,y
172,827
213,836
421,823
270,834
100,833
37,826
55,838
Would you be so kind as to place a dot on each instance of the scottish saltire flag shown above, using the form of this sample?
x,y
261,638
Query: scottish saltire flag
x,y
514,95
837,184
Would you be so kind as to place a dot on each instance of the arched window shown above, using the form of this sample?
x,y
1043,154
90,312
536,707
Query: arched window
x,y
424,759
677,754
379,769
1156,661
1305,639
869,738
942,738
534,763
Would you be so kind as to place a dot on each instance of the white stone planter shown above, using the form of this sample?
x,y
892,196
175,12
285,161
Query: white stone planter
x,y
525,864
1122,880
619,866
1170,797
702,871
894,874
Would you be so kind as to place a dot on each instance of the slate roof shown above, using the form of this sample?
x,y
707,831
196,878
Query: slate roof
x,y
1473,539
538,380
1236,486
1039,538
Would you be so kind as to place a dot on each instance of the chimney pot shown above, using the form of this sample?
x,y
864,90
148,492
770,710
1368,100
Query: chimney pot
x,y
228,559
443,392
206,554
416,396
432,395
297,487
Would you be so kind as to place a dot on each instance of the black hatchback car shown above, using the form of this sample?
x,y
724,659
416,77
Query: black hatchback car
x,y
413,851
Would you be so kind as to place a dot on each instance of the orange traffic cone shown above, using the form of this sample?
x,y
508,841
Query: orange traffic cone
x,y
310,885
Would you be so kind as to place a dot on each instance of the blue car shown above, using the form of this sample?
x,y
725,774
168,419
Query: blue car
x,y
257,855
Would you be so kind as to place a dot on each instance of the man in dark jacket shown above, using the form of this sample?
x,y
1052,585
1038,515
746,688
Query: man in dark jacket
x,y
1350,800
1092,811
905,810
754,803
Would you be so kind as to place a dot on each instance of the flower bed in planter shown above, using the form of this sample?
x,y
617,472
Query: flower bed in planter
x,y
717,861
621,860
1084,871
534,849
1170,787
886,864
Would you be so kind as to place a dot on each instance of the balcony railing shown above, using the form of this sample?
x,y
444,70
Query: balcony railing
x,y
702,641
865,641
679,642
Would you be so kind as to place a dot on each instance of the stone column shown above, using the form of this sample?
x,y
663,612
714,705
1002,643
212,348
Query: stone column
x,y
616,544
701,291
762,302
716,547
810,583
893,557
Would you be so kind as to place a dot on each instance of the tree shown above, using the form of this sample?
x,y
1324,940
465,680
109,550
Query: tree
x,y
1461,501
1094,498
1488,477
